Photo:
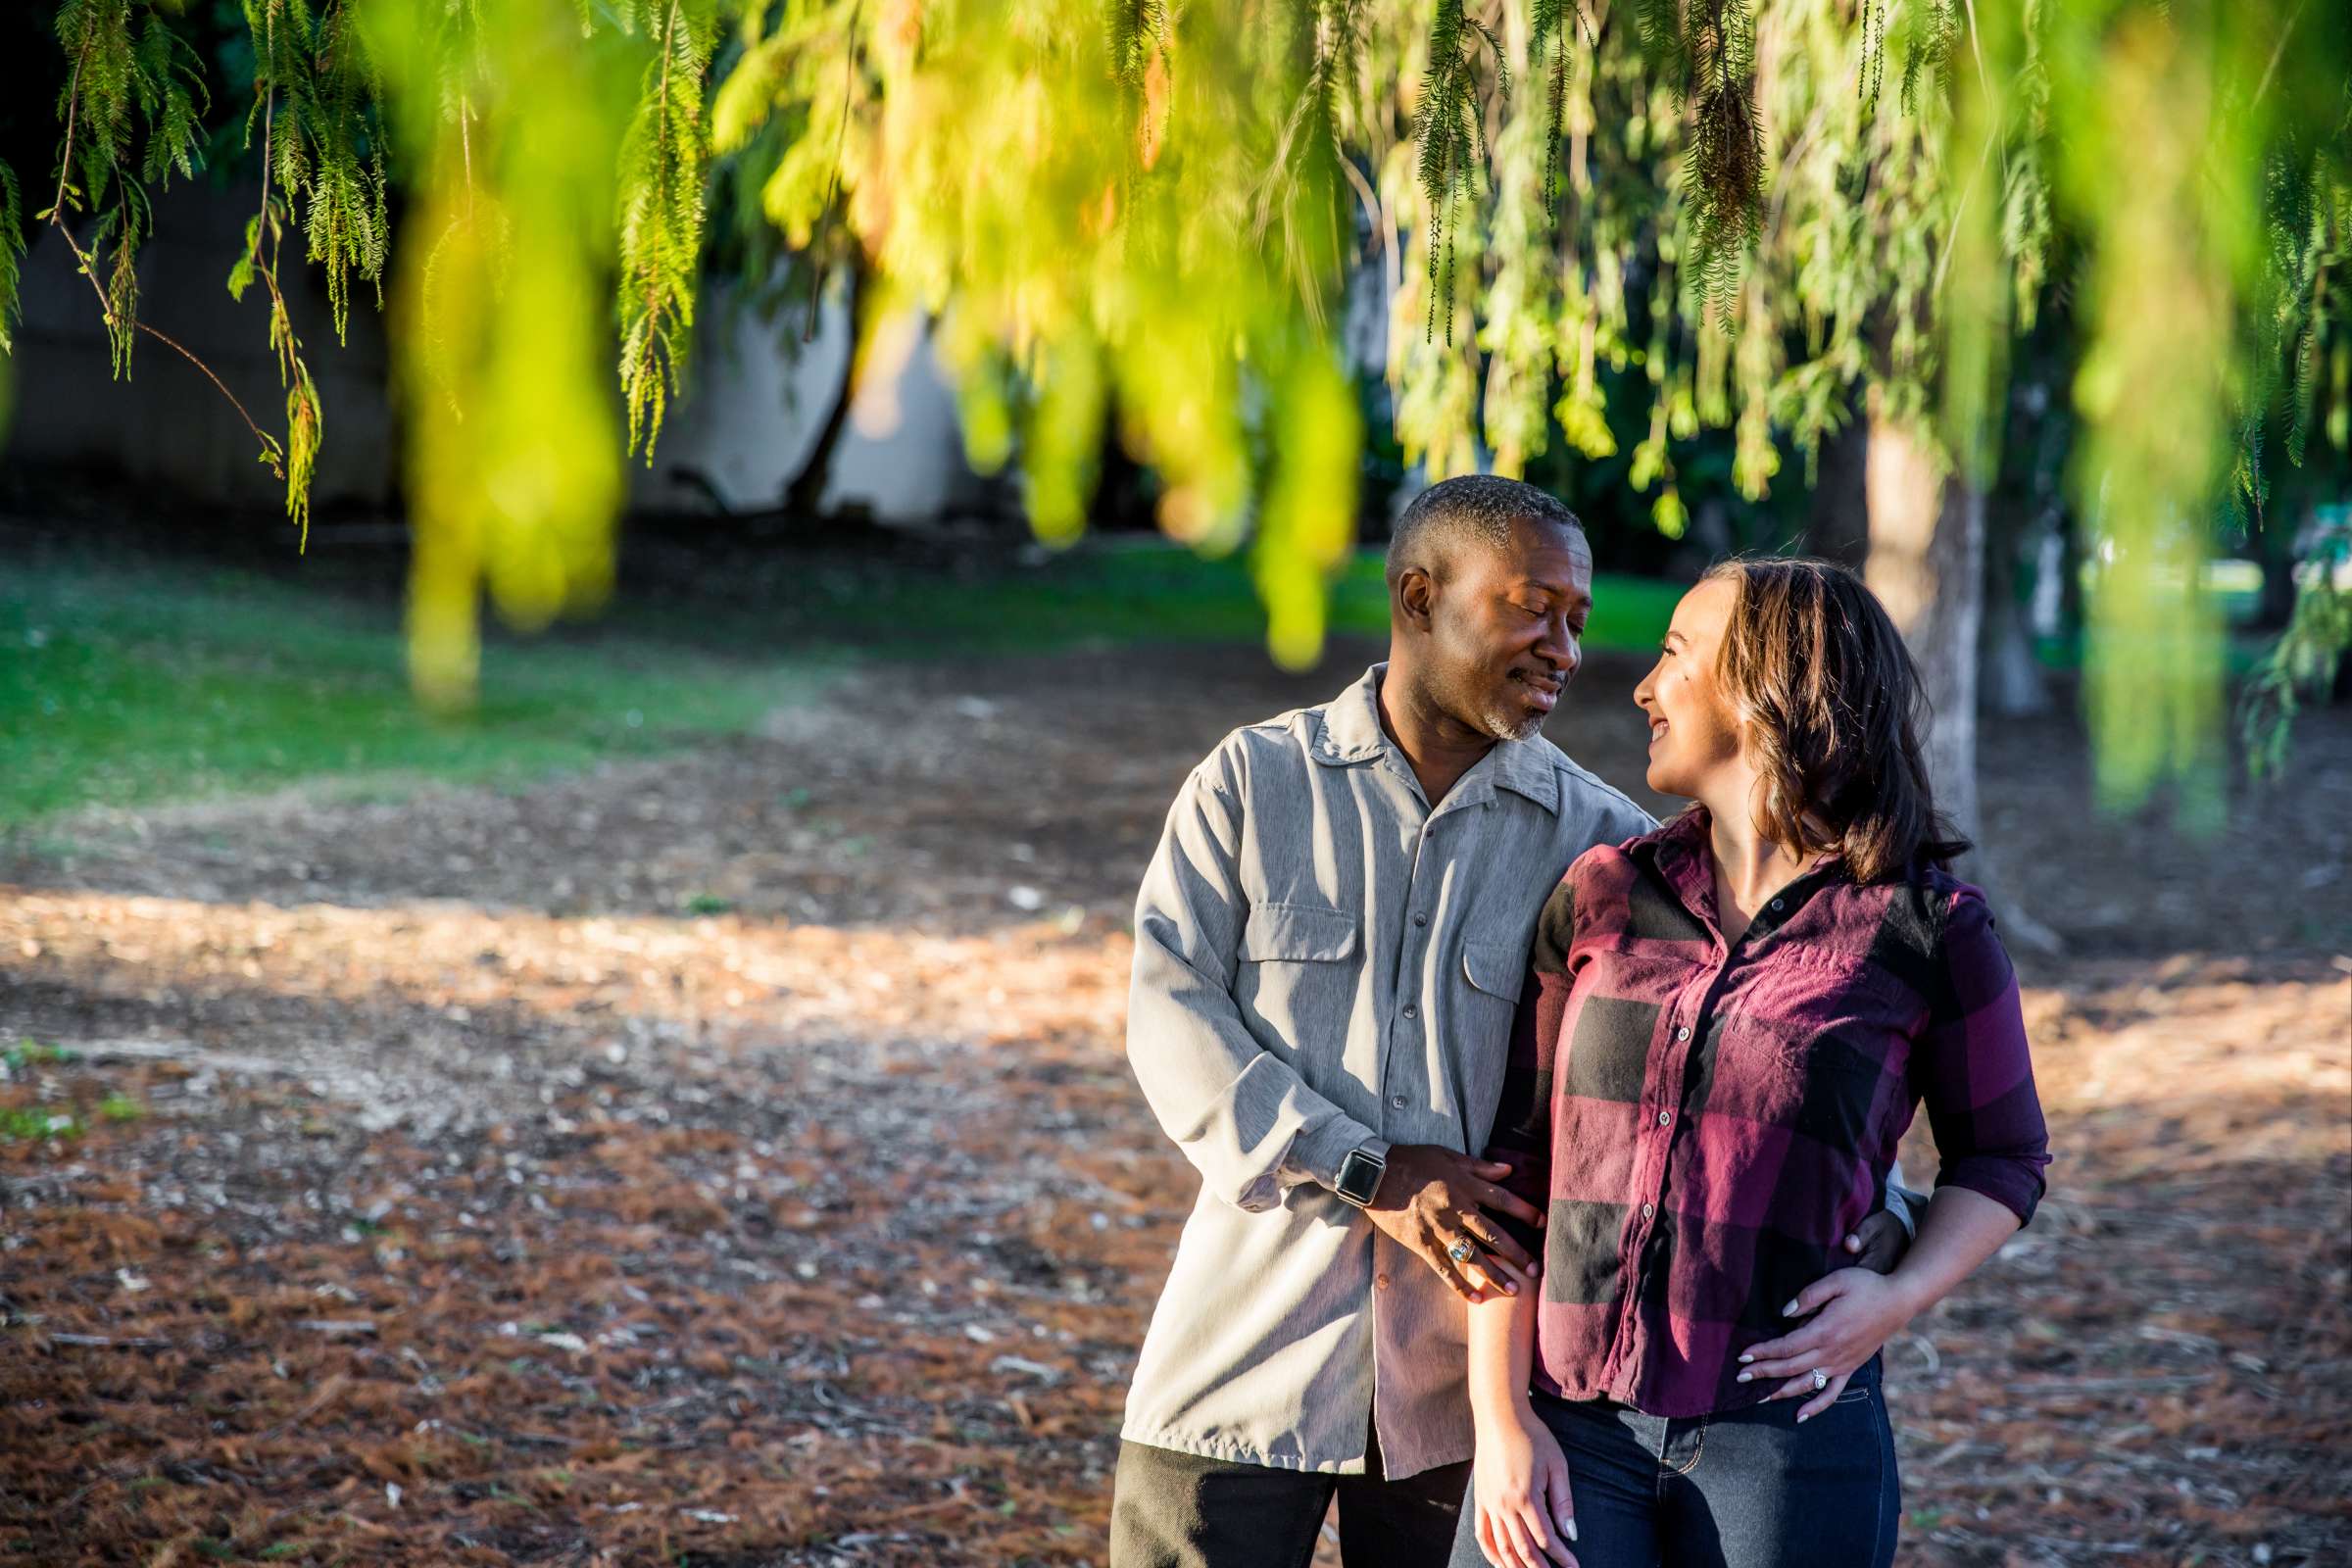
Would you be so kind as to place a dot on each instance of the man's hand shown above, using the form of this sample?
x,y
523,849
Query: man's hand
x,y
1878,1243
1430,1198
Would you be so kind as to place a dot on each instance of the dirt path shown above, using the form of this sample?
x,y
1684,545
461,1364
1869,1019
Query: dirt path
x,y
730,1159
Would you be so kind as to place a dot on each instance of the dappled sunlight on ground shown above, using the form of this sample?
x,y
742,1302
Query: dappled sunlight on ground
x,y
383,1224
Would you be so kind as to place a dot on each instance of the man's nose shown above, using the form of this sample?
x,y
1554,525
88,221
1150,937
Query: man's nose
x,y
1558,646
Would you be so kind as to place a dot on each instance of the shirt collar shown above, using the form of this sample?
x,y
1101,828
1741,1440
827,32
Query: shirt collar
x,y
1678,853
1348,731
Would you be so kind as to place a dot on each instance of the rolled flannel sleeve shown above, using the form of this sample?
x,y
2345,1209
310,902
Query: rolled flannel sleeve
x,y
1974,1073
1523,1118
1244,1117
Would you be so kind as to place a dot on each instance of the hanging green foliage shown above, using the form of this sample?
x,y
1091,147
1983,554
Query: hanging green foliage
x,y
123,79
664,165
314,91
1141,220
11,256
510,117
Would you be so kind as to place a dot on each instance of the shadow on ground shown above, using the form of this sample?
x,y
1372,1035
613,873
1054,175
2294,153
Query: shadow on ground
x,y
729,1159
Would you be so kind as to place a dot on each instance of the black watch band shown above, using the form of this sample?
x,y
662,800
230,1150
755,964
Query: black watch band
x,y
1360,1177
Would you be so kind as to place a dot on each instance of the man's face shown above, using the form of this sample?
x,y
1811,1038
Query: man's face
x,y
1507,629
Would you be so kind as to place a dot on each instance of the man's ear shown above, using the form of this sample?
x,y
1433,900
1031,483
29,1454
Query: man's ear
x,y
1415,597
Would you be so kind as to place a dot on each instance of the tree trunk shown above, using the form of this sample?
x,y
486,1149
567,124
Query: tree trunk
x,y
1926,567
2014,686
1838,527
803,498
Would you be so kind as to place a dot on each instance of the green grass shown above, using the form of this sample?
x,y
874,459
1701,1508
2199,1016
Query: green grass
x,y
1121,591
24,1123
124,686
27,1050
117,688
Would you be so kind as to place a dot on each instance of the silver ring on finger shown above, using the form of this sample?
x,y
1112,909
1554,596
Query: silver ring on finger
x,y
1461,1251
1821,1380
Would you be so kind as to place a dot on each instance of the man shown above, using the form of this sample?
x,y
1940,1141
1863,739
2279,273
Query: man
x,y
1329,949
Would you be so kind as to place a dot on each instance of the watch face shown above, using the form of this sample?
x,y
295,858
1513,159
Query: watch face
x,y
1359,1178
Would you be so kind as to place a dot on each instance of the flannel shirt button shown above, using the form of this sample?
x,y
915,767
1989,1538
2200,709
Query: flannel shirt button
x,y
1683,1033
1381,1280
1665,1116
1420,919
1411,1011
1776,903
1397,1100
1648,1211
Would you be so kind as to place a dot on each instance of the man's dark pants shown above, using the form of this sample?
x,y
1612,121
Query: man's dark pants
x,y
1181,1510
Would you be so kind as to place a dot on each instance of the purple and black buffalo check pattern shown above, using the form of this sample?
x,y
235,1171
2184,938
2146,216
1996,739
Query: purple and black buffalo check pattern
x,y
1707,1124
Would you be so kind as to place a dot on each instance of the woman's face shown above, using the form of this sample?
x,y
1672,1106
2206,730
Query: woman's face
x,y
1694,732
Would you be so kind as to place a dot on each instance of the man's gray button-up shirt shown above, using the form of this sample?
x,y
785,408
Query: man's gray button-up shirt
x,y
1322,963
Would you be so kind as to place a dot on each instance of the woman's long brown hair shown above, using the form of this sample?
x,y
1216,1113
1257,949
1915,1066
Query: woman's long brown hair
x,y
1834,710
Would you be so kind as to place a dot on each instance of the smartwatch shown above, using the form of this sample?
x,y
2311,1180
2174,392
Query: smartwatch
x,y
1360,1177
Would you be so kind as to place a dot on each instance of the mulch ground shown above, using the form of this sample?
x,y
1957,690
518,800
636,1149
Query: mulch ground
x,y
731,1160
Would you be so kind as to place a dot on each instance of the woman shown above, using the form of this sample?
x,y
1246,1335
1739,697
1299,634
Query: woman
x,y
1728,1024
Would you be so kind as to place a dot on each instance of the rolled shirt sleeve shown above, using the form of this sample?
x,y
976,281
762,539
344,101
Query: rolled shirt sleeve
x,y
1244,1117
1974,1072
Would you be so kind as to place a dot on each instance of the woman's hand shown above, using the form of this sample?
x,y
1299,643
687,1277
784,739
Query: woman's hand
x,y
1855,1311
1520,1484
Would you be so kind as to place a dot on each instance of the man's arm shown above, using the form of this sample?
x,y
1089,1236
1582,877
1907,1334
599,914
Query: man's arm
x,y
1244,1117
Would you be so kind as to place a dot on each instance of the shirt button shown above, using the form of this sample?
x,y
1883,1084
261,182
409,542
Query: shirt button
x,y
1776,903
1411,1011
1683,1033
1397,1100
1420,919
1381,1280
1648,1209
1665,1116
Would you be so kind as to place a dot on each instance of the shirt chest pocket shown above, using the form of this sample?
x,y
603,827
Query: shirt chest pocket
x,y
1484,1007
1298,974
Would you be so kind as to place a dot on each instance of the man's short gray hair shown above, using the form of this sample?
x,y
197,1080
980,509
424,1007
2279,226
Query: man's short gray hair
x,y
1473,509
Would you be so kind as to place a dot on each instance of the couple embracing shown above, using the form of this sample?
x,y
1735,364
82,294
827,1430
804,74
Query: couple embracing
x,y
1547,1212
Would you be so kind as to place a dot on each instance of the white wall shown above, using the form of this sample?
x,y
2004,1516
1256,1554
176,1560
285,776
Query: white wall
x,y
759,397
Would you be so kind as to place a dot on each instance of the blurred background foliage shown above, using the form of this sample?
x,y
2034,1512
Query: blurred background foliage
x,y
2079,263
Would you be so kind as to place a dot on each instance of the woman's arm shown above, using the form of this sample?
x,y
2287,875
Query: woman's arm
x,y
1972,1070
1502,1353
1519,1483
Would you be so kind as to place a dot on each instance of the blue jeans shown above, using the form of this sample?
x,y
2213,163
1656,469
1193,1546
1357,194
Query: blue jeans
x,y
1745,1489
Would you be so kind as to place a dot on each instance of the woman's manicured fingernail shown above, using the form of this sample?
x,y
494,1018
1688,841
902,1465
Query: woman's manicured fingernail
x,y
1744,1358
1790,1310
1571,1530
1800,1418
1744,1376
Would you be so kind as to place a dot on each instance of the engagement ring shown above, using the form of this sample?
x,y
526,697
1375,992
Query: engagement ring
x,y
1821,1380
